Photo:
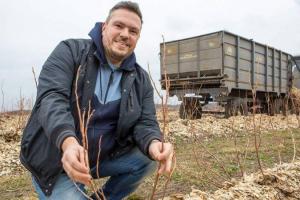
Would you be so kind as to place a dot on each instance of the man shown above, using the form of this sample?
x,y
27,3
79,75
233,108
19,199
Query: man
x,y
124,118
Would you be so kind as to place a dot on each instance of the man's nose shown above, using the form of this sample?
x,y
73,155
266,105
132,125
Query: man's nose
x,y
124,33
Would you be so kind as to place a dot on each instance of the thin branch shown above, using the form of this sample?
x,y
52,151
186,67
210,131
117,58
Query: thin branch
x,y
2,92
153,83
170,175
164,104
84,119
82,192
34,77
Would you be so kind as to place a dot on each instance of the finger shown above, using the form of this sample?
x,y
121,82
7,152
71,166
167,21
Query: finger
x,y
80,177
166,153
82,158
79,166
161,169
168,166
155,151
67,169
76,175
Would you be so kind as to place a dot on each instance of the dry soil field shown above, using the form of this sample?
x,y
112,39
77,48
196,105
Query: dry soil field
x,y
217,158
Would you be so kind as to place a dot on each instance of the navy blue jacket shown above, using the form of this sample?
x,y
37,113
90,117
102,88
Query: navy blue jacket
x,y
54,116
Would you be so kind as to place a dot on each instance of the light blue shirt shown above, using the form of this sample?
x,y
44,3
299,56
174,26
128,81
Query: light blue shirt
x,y
105,91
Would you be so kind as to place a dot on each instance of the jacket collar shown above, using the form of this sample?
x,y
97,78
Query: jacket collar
x,y
96,34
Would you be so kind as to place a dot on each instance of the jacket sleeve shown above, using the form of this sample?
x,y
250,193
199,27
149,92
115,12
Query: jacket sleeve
x,y
54,93
147,128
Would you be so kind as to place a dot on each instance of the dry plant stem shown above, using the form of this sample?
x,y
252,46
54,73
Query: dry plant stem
x,y
34,77
294,147
293,140
21,107
77,101
236,149
211,180
297,110
83,193
192,131
245,152
271,122
164,102
254,127
83,125
157,174
216,159
254,131
97,167
170,175
279,156
95,190
206,167
153,83
2,106
98,157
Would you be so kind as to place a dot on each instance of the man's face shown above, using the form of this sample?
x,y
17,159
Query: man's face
x,y
120,35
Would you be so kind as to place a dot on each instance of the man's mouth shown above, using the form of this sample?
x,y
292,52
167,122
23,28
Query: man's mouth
x,y
122,44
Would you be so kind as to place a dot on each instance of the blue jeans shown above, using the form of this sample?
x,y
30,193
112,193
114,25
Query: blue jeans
x,y
125,172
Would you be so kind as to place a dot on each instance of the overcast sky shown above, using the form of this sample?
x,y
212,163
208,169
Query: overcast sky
x,y
29,30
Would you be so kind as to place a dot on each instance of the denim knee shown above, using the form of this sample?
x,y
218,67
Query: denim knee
x,y
151,167
144,166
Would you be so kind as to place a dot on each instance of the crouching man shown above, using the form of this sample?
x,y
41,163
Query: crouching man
x,y
124,138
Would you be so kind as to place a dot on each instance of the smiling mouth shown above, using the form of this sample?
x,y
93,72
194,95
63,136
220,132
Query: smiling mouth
x,y
123,45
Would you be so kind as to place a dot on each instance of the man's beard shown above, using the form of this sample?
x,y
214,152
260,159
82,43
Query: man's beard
x,y
116,56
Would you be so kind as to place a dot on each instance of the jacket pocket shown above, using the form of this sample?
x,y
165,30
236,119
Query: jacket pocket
x,y
31,130
38,154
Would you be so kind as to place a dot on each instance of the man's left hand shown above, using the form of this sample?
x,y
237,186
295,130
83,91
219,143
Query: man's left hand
x,y
164,157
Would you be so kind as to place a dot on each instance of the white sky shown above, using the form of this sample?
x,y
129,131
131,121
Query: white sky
x,y
29,30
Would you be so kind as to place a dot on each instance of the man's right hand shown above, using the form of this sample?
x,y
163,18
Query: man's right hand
x,y
73,161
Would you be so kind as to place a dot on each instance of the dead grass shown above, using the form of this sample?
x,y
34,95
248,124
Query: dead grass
x,y
15,187
206,177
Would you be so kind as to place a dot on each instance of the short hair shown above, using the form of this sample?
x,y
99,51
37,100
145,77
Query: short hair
x,y
128,5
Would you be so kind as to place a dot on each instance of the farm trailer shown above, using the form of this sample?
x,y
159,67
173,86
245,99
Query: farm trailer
x,y
229,69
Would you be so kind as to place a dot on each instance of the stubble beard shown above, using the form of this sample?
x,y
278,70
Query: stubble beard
x,y
114,55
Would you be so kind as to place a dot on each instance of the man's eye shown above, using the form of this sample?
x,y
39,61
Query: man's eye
x,y
133,32
118,25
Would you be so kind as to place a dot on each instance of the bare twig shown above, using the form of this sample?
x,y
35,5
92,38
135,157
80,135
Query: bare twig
x,y
35,81
84,118
170,175
2,92
164,103
294,147
82,192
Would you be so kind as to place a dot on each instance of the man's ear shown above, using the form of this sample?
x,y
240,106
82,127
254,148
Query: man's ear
x,y
103,26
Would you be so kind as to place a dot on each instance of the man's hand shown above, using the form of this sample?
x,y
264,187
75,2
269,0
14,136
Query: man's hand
x,y
73,161
165,157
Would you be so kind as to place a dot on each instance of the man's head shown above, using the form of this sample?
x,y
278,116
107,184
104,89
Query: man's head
x,y
121,31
